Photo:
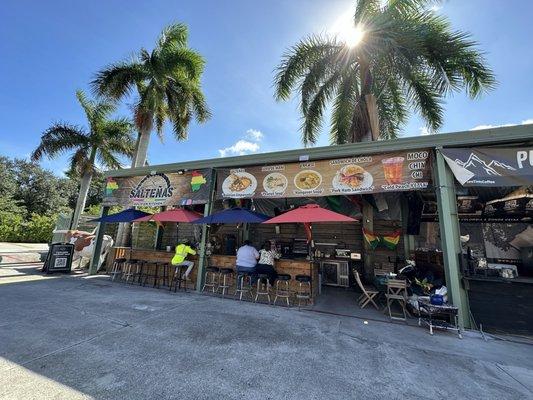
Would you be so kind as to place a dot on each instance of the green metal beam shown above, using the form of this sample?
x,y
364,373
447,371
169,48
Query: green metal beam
x,y
485,137
202,260
450,238
95,260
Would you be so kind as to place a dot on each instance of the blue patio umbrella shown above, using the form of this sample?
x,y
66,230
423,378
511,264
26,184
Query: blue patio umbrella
x,y
124,216
234,215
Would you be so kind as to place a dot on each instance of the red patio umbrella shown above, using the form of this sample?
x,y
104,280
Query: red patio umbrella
x,y
177,215
309,213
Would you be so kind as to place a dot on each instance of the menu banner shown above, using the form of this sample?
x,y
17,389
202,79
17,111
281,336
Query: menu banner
x,y
491,166
158,189
399,171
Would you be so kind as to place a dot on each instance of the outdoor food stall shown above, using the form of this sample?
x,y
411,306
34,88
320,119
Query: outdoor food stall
x,y
404,196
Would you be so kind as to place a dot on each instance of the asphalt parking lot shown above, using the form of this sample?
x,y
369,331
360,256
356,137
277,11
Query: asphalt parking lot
x,y
86,337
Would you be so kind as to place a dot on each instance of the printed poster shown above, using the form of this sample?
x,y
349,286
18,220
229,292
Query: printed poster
x,y
399,171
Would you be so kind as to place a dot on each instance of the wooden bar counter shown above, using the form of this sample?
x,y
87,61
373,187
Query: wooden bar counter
x,y
150,256
288,266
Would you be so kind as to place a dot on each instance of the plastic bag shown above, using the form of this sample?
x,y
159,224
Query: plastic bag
x,y
443,291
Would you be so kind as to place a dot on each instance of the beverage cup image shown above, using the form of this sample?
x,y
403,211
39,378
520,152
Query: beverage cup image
x,y
393,169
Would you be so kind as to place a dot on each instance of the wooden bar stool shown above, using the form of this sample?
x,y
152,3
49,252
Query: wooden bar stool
x,y
282,287
149,271
244,285
165,273
263,287
304,289
211,278
131,270
224,280
178,278
117,268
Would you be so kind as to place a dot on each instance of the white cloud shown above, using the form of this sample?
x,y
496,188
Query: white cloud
x,y
254,135
246,145
424,131
524,122
240,148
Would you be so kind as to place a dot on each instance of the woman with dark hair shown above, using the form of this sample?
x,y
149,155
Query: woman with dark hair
x,y
268,256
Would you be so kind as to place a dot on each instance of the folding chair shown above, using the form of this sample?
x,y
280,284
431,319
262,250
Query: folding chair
x,y
397,291
382,271
368,293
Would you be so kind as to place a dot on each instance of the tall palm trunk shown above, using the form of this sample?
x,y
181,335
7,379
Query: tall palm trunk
x,y
366,130
85,184
82,198
139,159
142,149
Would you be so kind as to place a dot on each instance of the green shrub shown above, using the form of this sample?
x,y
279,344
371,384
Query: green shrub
x,y
10,226
37,229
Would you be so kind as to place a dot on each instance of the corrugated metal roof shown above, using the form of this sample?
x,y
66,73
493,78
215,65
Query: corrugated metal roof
x,y
486,137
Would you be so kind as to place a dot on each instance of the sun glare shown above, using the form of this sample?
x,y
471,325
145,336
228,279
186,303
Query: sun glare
x,y
345,30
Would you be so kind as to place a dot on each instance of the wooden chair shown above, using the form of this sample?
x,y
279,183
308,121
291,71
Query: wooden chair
x,y
368,293
397,291
382,271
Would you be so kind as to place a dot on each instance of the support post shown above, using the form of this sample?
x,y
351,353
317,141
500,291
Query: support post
x,y
368,224
160,230
202,261
95,259
450,238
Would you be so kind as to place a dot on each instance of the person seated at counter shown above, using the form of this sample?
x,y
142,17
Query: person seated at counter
x,y
267,257
182,251
247,256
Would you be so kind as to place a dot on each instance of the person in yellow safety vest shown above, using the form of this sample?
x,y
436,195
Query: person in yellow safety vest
x,y
182,251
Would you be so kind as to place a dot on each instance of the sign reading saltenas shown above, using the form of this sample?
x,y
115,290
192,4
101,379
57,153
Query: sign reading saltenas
x,y
157,190
404,170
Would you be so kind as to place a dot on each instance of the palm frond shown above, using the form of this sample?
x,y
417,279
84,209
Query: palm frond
x,y
108,160
344,106
173,35
297,61
118,80
58,139
183,60
313,117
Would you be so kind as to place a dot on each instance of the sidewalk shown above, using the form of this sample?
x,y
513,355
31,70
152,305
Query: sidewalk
x,y
87,337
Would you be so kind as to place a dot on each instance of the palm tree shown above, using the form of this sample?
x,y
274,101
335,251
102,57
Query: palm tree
x,y
103,143
167,81
399,56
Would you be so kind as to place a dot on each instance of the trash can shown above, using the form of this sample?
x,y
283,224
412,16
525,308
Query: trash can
x,y
59,258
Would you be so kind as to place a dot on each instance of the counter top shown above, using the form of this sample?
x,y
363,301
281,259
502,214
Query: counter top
x,y
495,279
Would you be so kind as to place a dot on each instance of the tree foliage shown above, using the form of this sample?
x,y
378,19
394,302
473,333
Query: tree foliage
x,y
166,80
31,197
103,143
409,58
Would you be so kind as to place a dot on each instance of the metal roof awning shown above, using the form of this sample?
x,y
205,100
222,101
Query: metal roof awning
x,y
485,137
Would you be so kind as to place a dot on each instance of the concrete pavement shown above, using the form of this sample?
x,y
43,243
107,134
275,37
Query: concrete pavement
x,y
87,337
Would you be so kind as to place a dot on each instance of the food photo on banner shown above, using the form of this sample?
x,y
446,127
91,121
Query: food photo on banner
x,y
399,171
159,189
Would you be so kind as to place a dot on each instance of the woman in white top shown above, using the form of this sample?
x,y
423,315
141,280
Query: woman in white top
x,y
267,257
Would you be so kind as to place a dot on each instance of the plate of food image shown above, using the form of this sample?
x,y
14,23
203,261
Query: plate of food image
x,y
275,183
241,183
352,177
307,180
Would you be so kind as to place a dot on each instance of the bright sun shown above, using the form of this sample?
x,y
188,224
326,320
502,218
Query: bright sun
x,y
346,31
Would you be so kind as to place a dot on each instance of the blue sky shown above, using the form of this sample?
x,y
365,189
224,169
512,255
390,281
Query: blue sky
x,y
51,48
